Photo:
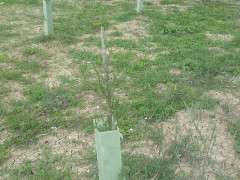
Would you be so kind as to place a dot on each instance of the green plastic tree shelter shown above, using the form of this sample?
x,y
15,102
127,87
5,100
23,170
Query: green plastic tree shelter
x,y
47,11
139,6
108,151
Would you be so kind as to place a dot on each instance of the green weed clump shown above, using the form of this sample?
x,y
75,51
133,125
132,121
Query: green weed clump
x,y
125,125
4,153
42,110
140,167
10,75
160,107
52,99
24,125
234,129
5,58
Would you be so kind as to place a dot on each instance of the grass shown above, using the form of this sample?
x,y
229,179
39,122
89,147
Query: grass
x,y
29,51
176,40
234,129
150,168
139,167
42,168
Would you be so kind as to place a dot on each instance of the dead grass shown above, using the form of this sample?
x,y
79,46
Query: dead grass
x,y
224,97
133,30
222,153
92,105
58,64
146,147
25,26
161,88
218,51
4,134
175,71
220,37
15,93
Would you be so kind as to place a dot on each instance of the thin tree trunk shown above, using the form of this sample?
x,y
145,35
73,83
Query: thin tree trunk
x,y
106,81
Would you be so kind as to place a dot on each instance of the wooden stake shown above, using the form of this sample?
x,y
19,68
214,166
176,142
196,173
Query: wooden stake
x,y
47,11
139,6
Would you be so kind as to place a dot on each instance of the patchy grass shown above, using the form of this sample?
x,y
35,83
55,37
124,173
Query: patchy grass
x,y
144,50
140,167
234,128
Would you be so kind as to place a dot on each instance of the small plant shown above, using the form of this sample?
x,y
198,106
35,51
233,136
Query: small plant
x,y
226,107
44,168
234,128
106,85
194,147
107,92
4,153
5,58
107,134
208,102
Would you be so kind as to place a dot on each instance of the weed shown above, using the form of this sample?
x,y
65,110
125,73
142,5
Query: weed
x,y
227,107
208,102
41,39
125,43
5,58
234,129
24,126
4,153
26,65
6,75
180,2
193,147
42,169
142,167
29,51
156,135
53,99
116,34
126,126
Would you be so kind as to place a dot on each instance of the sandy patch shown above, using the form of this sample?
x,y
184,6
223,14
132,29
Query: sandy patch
x,y
19,16
221,37
58,64
15,93
225,97
219,51
53,79
175,71
133,30
4,135
164,52
145,147
221,152
161,88
81,47
92,105
235,80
